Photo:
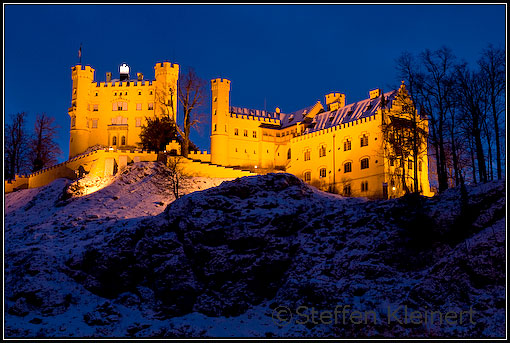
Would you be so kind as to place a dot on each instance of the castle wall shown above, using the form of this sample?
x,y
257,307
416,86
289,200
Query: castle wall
x,y
112,113
336,175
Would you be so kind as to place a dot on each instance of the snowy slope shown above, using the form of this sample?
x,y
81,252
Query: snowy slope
x,y
219,262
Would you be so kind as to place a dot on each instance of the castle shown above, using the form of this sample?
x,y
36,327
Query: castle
x,y
339,148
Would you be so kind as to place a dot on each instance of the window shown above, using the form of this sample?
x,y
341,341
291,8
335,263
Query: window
x,y
347,145
138,122
245,133
347,190
150,106
95,107
419,165
139,93
123,140
114,140
322,172
364,186
288,154
236,132
139,106
364,163
364,140
96,94
214,127
307,155
254,134
150,93
347,167
94,123
322,151
73,121
308,176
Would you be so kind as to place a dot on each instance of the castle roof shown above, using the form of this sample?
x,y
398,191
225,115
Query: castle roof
x,y
348,113
255,113
292,118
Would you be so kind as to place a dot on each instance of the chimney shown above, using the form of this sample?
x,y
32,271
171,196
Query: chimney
x,y
108,77
375,93
139,76
334,101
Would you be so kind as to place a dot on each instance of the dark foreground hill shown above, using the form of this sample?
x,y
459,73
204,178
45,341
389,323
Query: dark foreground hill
x,y
264,256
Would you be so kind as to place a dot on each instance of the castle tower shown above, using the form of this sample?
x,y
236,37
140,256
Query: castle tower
x,y
219,120
83,77
166,75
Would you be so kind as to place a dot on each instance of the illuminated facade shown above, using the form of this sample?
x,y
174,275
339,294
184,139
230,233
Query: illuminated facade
x,y
338,148
111,113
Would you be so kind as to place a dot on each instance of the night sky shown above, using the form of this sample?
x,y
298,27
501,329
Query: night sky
x,y
286,56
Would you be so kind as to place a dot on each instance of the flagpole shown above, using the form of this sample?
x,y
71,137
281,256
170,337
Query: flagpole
x,y
79,53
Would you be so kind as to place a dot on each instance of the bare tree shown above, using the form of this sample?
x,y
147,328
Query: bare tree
x,y
16,144
192,95
405,137
44,151
492,66
470,94
437,86
176,176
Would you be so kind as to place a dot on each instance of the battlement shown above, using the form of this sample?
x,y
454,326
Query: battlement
x,y
166,65
81,69
338,127
132,83
198,153
255,118
219,82
165,68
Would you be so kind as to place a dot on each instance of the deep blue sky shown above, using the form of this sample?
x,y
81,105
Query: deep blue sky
x,y
288,56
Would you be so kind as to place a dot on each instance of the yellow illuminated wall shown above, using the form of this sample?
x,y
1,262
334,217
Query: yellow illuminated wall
x,y
111,113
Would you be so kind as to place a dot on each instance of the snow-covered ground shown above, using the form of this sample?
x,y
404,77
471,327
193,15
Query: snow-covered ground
x,y
126,260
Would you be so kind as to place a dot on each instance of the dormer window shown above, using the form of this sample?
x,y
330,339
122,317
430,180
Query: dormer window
x,y
291,118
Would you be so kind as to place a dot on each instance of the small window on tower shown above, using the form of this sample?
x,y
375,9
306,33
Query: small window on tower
x,y
138,122
95,107
139,107
94,123
151,106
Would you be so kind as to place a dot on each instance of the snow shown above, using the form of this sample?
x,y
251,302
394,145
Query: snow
x,y
309,247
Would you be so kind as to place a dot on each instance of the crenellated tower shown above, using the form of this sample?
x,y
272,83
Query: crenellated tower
x,y
166,99
83,77
219,120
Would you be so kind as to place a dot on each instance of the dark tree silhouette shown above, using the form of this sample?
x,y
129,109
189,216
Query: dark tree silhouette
x,y
44,151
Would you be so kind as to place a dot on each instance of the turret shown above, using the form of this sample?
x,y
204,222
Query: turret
x,y
83,77
165,98
335,101
219,120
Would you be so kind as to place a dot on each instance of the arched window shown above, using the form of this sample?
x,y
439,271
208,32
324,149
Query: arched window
x,y
322,172
123,140
364,163
308,176
347,167
114,140
288,154
322,151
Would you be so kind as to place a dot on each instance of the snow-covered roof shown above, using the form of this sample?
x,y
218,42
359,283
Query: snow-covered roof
x,y
290,119
252,112
348,113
